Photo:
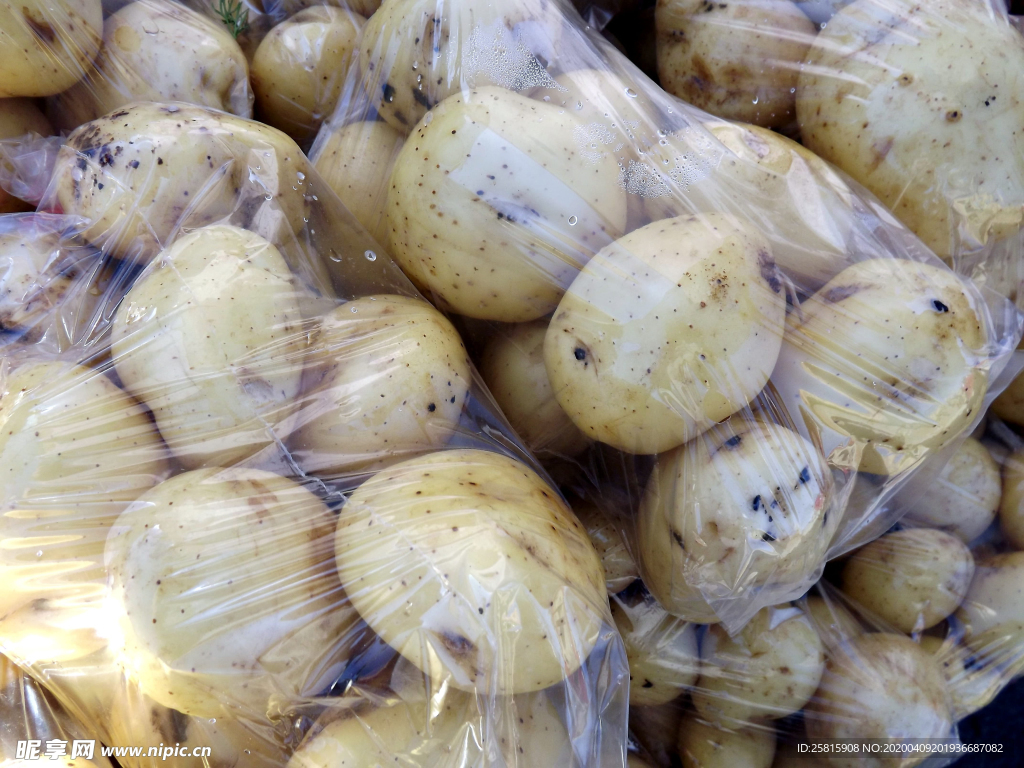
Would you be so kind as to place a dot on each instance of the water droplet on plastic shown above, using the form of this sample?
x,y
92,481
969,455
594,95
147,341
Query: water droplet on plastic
x,y
579,105
631,93
572,221
39,553
415,66
792,90
755,100
661,132
370,255
268,196
301,176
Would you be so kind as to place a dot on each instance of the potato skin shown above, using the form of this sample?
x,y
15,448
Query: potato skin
x,y
738,60
33,279
1011,507
619,567
702,745
885,363
497,201
48,44
912,579
19,117
456,537
941,147
993,612
668,330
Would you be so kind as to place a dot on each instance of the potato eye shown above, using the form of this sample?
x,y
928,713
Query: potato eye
x,y
580,353
939,306
733,441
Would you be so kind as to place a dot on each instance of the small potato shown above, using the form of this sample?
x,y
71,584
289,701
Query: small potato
x,y
619,567
48,45
833,621
19,117
498,201
743,512
142,172
1011,507
513,369
645,354
738,60
158,50
911,579
879,686
702,745
209,338
661,649
74,451
972,683
993,612
226,593
356,162
963,499
770,669
387,378
462,539
300,67
885,364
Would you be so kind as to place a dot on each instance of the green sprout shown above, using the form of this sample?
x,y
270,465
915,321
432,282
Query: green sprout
x,y
234,15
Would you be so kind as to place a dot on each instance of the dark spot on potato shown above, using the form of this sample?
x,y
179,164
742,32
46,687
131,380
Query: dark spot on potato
x,y
954,115
421,99
41,28
881,150
757,503
457,644
579,353
388,91
767,537
432,407
805,475
769,271
938,306
679,539
733,441
841,293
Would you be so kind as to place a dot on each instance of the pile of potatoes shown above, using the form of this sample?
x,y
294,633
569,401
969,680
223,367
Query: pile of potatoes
x,y
258,497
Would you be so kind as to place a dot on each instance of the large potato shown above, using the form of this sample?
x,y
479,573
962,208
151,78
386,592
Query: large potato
x,y
885,364
1011,506
144,171
48,45
739,60
18,118
770,669
210,339
941,145
645,354
993,612
513,368
387,378
158,50
436,552
702,745
619,567
300,67
911,579
879,686
74,451
964,498
414,55
497,201
743,512
226,592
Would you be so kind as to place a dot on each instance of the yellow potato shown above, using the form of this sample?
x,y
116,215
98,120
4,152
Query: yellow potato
x,y
300,67
885,364
158,50
74,451
1011,507
35,276
226,594
971,683
645,354
964,497
911,579
738,60
19,117
497,201
209,337
743,512
1009,405
770,669
702,745
940,146
460,540
513,369
48,44
993,612
619,567
387,378
879,686
355,161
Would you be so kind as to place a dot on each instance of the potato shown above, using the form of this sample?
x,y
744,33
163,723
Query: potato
x,y
209,338
619,567
226,594
513,369
770,669
48,44
744,512
737,60
497,201
971,683
413,56
35,276
885,363
963,499
300,67
940,146
18,118
158,50
1009,405
993,612
834,622
702,745
402,540
142,172
911,579
644,355
387,378
1011,507
355,161
74,451
879,686
661,649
